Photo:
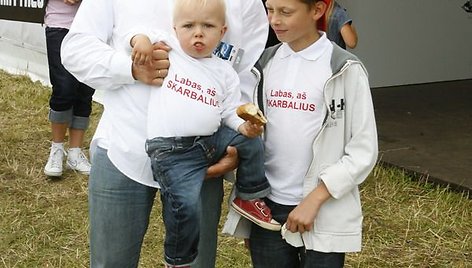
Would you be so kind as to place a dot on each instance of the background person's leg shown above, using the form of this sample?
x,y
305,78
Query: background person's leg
x,y
76,158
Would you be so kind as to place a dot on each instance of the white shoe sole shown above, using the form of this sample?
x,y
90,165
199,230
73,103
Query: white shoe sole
x,y
53,174
81,172
265,225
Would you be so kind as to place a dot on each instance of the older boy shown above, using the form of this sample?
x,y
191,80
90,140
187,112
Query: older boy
x,y
317,98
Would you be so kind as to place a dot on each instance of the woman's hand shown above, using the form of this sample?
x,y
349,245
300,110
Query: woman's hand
x,y
226,164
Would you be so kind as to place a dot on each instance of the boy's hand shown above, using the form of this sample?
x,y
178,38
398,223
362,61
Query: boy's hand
x,y
302,217
250,130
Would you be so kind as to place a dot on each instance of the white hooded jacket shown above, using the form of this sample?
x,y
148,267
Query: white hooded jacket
x,y
345,152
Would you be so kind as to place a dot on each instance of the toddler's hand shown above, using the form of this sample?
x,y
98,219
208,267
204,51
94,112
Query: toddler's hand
x,y
142,50
140,56
250,130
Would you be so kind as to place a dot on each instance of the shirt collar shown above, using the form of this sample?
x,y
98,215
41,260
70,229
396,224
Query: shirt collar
x,y
312,52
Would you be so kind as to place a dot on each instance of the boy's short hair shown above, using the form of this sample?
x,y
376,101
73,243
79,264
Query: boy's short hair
x,y
179,4
321,24
310,2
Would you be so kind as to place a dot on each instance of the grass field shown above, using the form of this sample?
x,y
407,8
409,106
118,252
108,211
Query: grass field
x,y
43,222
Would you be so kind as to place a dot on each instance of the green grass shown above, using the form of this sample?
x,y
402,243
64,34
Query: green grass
x,y
43,222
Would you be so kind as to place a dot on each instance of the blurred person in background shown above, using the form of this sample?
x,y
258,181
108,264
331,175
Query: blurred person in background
x,y
71,101
338,25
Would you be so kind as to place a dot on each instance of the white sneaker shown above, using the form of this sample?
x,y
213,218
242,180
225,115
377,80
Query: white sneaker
x,y
76,160
53,167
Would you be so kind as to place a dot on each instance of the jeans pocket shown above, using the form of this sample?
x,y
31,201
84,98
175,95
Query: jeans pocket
x,y
208,147
156,174
163,161
158,166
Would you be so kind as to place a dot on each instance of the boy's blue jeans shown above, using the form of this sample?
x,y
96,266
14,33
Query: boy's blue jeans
x,y
269,250
179,165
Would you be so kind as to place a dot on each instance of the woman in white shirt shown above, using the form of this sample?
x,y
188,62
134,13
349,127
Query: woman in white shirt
x,y
121,187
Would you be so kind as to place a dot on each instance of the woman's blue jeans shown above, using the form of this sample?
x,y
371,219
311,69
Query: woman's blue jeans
x,y
119,210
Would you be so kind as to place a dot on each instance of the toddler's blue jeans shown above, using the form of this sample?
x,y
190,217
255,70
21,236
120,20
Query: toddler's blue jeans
x,y
179,165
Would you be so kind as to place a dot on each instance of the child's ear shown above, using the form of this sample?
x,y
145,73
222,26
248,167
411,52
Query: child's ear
x,y
319,10
223,30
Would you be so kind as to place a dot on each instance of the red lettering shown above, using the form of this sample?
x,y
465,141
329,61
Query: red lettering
x,y
186,93
301,106
201,99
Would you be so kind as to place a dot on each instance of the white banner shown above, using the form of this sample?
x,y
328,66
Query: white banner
x,y
23,50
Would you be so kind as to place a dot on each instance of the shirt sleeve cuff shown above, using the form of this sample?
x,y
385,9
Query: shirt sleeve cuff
x,y
234,122
121,65
337,180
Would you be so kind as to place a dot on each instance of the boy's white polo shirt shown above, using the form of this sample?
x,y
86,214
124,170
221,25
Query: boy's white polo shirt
x,y
295,109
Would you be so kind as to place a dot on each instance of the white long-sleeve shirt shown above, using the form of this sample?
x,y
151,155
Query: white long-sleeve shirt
x,y
95,52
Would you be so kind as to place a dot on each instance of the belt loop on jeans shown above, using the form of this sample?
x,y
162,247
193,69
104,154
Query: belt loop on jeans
x,y
184,142
172,142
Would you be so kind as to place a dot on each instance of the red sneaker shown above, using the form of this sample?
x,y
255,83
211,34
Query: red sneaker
x,y
256,211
